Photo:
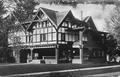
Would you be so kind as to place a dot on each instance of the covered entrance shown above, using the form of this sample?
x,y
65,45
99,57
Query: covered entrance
x,y
24,55
44,53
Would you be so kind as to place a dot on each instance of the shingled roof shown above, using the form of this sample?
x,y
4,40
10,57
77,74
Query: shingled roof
x,y
57,17
90,23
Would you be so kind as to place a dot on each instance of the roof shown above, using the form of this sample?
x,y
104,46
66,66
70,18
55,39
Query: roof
x,y
90,23
57,17
60,16
50,13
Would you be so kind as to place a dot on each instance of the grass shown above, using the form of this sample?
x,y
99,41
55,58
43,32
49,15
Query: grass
x,y
32,68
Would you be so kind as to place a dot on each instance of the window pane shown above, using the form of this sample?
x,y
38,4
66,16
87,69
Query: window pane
x,y
38,38
54,36
49,30
23,39
44,37
40,24
49,37
44,24
41,30
45,30
34,38
37,31
59,36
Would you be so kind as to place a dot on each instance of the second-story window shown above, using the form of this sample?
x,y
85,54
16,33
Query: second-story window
x,y
29,38
42,37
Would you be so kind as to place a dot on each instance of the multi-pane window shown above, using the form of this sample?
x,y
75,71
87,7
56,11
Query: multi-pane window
x,y
29,38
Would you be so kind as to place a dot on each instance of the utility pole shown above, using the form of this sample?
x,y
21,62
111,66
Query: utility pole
x,y
81,14
81,46
81,40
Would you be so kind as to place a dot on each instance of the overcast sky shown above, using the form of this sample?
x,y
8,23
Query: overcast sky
x,y
98,13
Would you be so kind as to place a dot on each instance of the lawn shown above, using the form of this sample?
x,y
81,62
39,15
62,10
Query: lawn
x,y
32,68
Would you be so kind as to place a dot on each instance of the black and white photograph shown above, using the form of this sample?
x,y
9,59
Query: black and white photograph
x,y
59,38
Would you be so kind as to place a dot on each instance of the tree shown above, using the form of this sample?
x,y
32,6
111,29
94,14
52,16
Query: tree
x,y
113,24
24,9
4,50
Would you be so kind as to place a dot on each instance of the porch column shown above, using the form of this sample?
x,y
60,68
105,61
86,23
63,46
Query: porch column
x,y
31,53
57,53
81,46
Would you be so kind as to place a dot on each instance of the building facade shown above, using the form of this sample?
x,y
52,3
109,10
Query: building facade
x,y
55,37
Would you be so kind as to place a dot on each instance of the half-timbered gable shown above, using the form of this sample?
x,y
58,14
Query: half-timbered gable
x,y
66,34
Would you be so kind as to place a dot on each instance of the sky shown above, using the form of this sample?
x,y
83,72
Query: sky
x,y
96,11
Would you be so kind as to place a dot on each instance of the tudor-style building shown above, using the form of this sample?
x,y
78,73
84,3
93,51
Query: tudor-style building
x,y
55,37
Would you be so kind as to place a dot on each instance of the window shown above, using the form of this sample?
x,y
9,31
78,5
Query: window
x,y
49,37
45,30
42,37
65,24
85,38
23,39
69,24
38,38
17,39
49,30
44,24
49,23
29,38
42,31
40,24
54,36
62,36
34,38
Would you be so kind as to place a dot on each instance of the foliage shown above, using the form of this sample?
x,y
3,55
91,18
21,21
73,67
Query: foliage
x,y
5,53
2,9
24,9
113,25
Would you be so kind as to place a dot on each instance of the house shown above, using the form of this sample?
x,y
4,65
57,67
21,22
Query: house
x,y
55,36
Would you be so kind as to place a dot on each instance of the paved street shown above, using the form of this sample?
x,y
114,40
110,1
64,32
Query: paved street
x,y
59,70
